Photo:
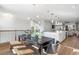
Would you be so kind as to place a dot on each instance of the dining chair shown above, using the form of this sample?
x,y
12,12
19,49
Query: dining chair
x,y
47,47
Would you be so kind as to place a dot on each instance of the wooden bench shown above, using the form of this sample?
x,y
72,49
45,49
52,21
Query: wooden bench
x,y
15,43
25,51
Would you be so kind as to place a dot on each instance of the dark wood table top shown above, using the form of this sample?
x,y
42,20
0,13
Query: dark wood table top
x,y
44,39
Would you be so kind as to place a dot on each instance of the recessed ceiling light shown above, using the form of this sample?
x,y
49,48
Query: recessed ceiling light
x,y
28,18
37,16
52,21
7,15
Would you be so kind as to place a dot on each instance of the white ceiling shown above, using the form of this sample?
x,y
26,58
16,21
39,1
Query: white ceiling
x,y
60,12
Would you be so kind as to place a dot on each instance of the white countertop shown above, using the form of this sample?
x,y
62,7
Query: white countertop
x,y
58,35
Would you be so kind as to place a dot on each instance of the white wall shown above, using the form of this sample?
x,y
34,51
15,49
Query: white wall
x,y
15,25
11,23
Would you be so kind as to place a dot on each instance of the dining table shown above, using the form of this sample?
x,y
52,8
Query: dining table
x,y
39,42
43,40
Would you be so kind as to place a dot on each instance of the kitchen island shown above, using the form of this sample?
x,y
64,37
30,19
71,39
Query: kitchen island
x,y
57,35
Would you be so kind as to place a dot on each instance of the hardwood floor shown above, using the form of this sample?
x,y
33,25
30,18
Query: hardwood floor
x,y
69,47
71,42
4,47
